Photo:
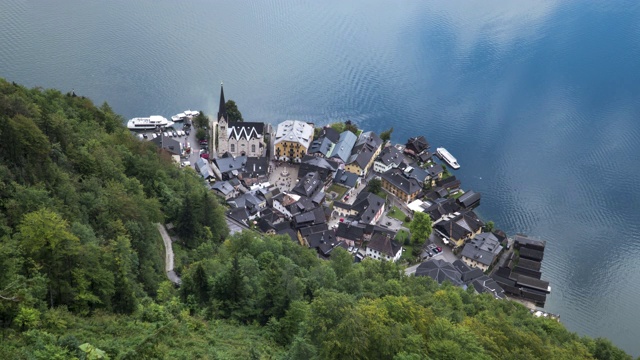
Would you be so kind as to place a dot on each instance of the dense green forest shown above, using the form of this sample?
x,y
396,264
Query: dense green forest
x,y
82,273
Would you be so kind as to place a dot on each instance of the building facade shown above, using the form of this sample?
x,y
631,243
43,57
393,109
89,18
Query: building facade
x,y
238,138
292,140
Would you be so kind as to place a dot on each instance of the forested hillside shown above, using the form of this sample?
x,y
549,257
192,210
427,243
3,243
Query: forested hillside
x,y
82,274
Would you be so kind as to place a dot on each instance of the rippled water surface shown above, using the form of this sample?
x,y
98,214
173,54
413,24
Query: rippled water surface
x,y
538,100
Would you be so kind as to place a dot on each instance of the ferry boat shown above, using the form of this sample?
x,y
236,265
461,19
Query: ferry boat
x,y
147,123
446,156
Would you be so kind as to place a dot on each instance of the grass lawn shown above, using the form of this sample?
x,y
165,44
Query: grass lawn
x,y
457,194
398,214
338,189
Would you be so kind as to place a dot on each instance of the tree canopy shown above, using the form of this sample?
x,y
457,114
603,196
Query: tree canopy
x,y
233,114
420,227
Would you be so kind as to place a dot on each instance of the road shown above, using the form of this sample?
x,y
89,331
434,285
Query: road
x,y
411,270
168,257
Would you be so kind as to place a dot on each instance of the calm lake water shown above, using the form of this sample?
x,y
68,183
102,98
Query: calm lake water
x,y
538,100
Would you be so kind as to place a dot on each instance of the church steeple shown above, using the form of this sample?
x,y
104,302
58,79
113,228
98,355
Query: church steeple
x,y
222,110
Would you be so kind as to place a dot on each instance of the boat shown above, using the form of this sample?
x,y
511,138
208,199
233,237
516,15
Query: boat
x,y
147,123
447,157
179,117
187,114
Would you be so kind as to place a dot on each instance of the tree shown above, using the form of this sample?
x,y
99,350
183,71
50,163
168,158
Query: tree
x,y
201,120
420,227
201,134
375,186
489,226
233,114
386,135
350,126
46,239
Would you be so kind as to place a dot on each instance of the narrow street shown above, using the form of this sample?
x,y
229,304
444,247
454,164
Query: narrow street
x,y
168,258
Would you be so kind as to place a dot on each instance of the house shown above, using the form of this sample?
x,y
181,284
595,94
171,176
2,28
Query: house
x,y
366,150
450,184
240,215
255,168
297,204
440,271
292,140
203,168
284,228
382,247
224,189
441,207
460,228
350,233
459,274
321,147
325,168
238,138
416,172
390,157
469,200
309,185
230,166
309,218
369,207
486,285
397,183
251,202
527,253
482,251
524,241
435,173
416,145
522,286
173,146
366,209
346,179
342,149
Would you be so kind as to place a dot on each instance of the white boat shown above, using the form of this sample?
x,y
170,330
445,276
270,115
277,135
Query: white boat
x,y
187,114
446,156
147,123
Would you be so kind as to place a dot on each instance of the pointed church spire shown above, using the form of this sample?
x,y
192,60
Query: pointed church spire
x,y
222,110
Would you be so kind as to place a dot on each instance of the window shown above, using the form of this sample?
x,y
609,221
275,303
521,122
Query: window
x,y
232,148
253,148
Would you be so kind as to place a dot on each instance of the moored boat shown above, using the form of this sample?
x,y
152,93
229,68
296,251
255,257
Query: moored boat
x,y
147,123
447,157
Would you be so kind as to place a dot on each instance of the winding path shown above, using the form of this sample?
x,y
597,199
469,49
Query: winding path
x,y
168,257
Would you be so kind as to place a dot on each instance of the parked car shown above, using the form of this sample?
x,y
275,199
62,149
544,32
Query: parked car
x,y
187,132
185,163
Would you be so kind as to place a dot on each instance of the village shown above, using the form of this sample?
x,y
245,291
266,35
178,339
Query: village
x,y
338,186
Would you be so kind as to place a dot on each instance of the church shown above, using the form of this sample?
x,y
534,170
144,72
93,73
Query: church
x,y
239,138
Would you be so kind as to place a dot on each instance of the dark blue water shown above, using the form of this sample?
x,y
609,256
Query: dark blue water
x,y
539,101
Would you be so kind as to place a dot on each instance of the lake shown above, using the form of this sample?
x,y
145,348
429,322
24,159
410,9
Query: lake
x,y
539,101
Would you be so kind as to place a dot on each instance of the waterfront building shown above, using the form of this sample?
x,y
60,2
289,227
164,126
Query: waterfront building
x,y
292,140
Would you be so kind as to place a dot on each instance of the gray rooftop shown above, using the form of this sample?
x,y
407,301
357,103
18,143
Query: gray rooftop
x,y
343,147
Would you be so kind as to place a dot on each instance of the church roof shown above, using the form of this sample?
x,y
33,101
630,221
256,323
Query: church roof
x,y
245,130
